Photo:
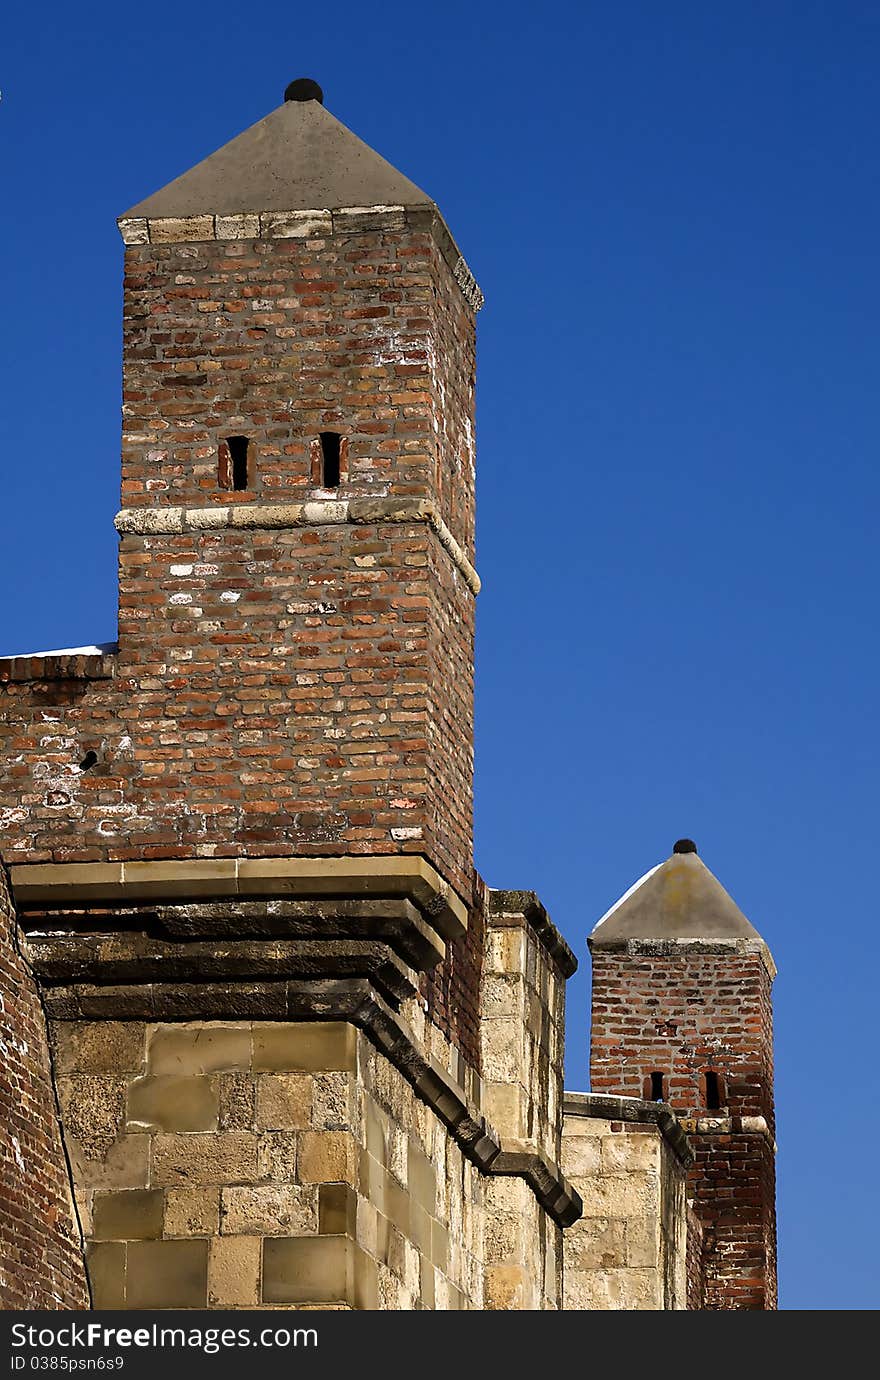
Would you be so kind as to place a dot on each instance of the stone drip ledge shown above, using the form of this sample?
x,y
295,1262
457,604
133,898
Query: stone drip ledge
x,y
66,886
633,1110
509,908
300,225
267,517
727,1126
349,999
59,666
666,948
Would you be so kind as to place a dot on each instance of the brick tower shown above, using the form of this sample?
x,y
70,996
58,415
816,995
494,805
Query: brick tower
x,y
682,1014
240,840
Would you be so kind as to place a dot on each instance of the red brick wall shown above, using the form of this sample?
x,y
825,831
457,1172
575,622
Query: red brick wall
x,y
40,1258
288,691
304,691
694,1263
679,1014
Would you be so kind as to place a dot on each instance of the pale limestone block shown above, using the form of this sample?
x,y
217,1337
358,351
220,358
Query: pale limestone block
x,y
504,1288
581,1155
134,230
398,1153
502,1051
501,995
320,514
596,1243
92,1111
192,1211
198,1047
643,1242
205,519
284,1101
181,229
503,1108
630,1195
328,1157
241,227
504,1239
624,1151
505,951
234,1271
277,1155
295,224
98,1047
201,1158
125,1165
269,1210
331,1098
172,1103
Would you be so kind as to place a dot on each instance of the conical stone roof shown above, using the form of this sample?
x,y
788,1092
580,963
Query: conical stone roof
x,y
298,158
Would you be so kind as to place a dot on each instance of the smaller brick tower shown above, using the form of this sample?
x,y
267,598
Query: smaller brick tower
x,y
682,1014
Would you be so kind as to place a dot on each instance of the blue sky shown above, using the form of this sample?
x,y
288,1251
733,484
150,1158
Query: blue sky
x,y
674,213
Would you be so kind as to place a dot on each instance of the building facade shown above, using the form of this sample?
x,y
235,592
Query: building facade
x,y
279,1044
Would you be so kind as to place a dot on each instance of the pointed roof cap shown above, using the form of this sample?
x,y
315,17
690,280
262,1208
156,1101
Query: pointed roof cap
x,y
298,158
677,899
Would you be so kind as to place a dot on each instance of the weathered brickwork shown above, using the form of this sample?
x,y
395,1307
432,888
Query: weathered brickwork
x,y
680,1013
307,690
40,1256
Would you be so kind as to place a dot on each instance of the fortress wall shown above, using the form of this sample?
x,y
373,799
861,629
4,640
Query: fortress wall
x,y
40,1252
628,1251
277,1165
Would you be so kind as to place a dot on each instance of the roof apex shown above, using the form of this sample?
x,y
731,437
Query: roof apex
x,y
299,157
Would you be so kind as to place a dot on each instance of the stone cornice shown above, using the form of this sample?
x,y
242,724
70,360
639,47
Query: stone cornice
x,y
315,224
510,907
150,522
660,948
72,885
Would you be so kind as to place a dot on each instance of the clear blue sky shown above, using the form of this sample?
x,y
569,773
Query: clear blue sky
x,y
674,212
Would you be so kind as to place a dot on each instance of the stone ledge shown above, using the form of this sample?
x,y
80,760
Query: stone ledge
x,y
508,906
58,666
726,1126
312,224
666,948
632,1109
269,517
73,885
66,959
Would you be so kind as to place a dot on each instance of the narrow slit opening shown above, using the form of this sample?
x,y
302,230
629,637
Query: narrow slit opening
x,y
331,459
713,1090
238,461
657,1089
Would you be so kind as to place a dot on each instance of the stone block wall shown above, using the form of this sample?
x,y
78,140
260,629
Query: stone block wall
x,y
628,1160
41,1263
284,1165
522,1021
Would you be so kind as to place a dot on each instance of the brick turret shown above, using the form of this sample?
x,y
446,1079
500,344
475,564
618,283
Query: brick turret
x,y
682,1014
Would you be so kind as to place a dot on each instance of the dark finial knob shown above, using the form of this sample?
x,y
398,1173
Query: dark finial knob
x,y
684,846
304,89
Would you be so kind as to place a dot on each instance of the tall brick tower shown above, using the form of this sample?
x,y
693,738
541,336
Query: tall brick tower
x,y
682,1014
240,840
